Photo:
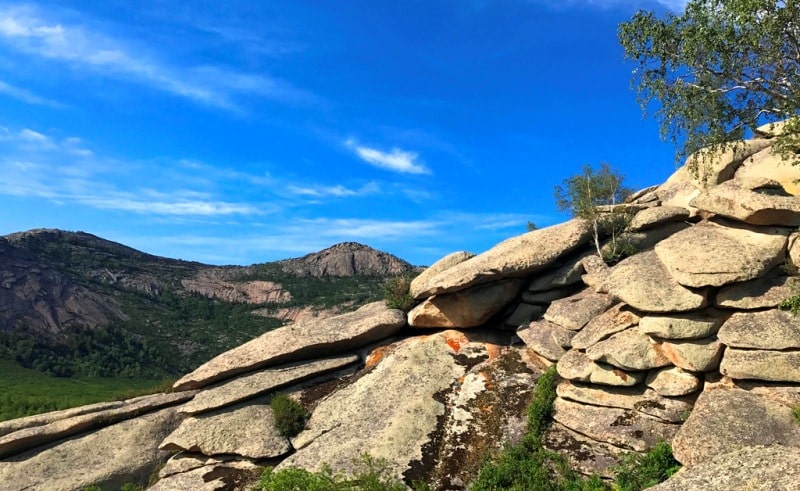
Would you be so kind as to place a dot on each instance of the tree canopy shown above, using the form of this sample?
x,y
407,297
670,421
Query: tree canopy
x,y
717,71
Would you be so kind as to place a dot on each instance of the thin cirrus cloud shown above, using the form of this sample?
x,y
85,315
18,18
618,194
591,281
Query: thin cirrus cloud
x,y
396,160
338,191
27,96
24,29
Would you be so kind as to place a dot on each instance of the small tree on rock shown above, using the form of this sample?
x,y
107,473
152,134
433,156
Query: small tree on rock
x,y
591,195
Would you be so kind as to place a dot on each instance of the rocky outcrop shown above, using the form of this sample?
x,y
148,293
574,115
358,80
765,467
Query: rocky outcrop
x,y
346,332
253,292
347,259
466,308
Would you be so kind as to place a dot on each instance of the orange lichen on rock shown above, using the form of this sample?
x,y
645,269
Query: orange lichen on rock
x,y
489,384
455,339
375,356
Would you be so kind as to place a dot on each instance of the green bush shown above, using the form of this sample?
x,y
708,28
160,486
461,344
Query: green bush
x,y
640,471
396,293
540,410
290,416
796,414
371,475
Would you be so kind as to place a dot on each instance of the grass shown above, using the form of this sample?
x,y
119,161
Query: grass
x,y
640,471
796,414
24,392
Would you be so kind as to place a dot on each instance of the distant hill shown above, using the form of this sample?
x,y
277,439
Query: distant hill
x,y
72,303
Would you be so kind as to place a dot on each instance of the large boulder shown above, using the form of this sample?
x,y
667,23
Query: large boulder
x,y
624,428
246,430
513,258
769,164
727,419
262,381
775,366
547,339
465,308
36,436
419,283
630,350
753,200
612,321
772,329
691,325
643,282
712,254
673,382
565,275
392,412
714,165
753,468
657,215
575,311
641,399
764,292
577,366
110,457
695,355
326,337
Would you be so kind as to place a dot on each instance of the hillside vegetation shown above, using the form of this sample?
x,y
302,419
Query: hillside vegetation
x,y
78,307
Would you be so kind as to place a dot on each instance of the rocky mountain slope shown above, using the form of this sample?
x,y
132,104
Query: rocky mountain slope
x,y
66,289
682,341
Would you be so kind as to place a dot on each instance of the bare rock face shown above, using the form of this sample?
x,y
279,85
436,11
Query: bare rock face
x,y
246,430
699,324
612,321
346,332
117,454
210,474
641,399
767,330
695,355
727,419
466,308
714,165
450,260
46,301
760,293
586,455
347,259
753,200
657,215
575,311
769,164
756,468
629,350
512,258
643,282
710,254
576,365
252,292
774,366
547,339
673,382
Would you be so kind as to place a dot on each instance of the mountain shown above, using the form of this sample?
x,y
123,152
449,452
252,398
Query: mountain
x,y
72,303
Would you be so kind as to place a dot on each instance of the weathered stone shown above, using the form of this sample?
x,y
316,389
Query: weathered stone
x,y
776,366
710,254
695,355
575,365
185,462
256,383
642,399
614,320
214,475
753,200
794,252
788,395
673,382
574,312
712,166
771,165
657,215
752,468
245,430
394,420
35,436
643,282
523,314
724,420
543,298
621,427
326,337
547,339
761,293
769,329
450,260
692,325
567,274
584,454
16,424
465,308
597,272
629,350
645,239
110,457
513,258
679,190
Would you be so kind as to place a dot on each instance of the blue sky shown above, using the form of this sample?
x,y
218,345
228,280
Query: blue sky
x,y
239,132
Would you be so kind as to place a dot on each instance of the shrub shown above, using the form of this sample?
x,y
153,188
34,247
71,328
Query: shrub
x,y
290,416
640,471
796,414
540,410
792,304
396,293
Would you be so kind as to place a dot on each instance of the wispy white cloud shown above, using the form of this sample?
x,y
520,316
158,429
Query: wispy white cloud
x,y
338,191
27,96
27,30
396,160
